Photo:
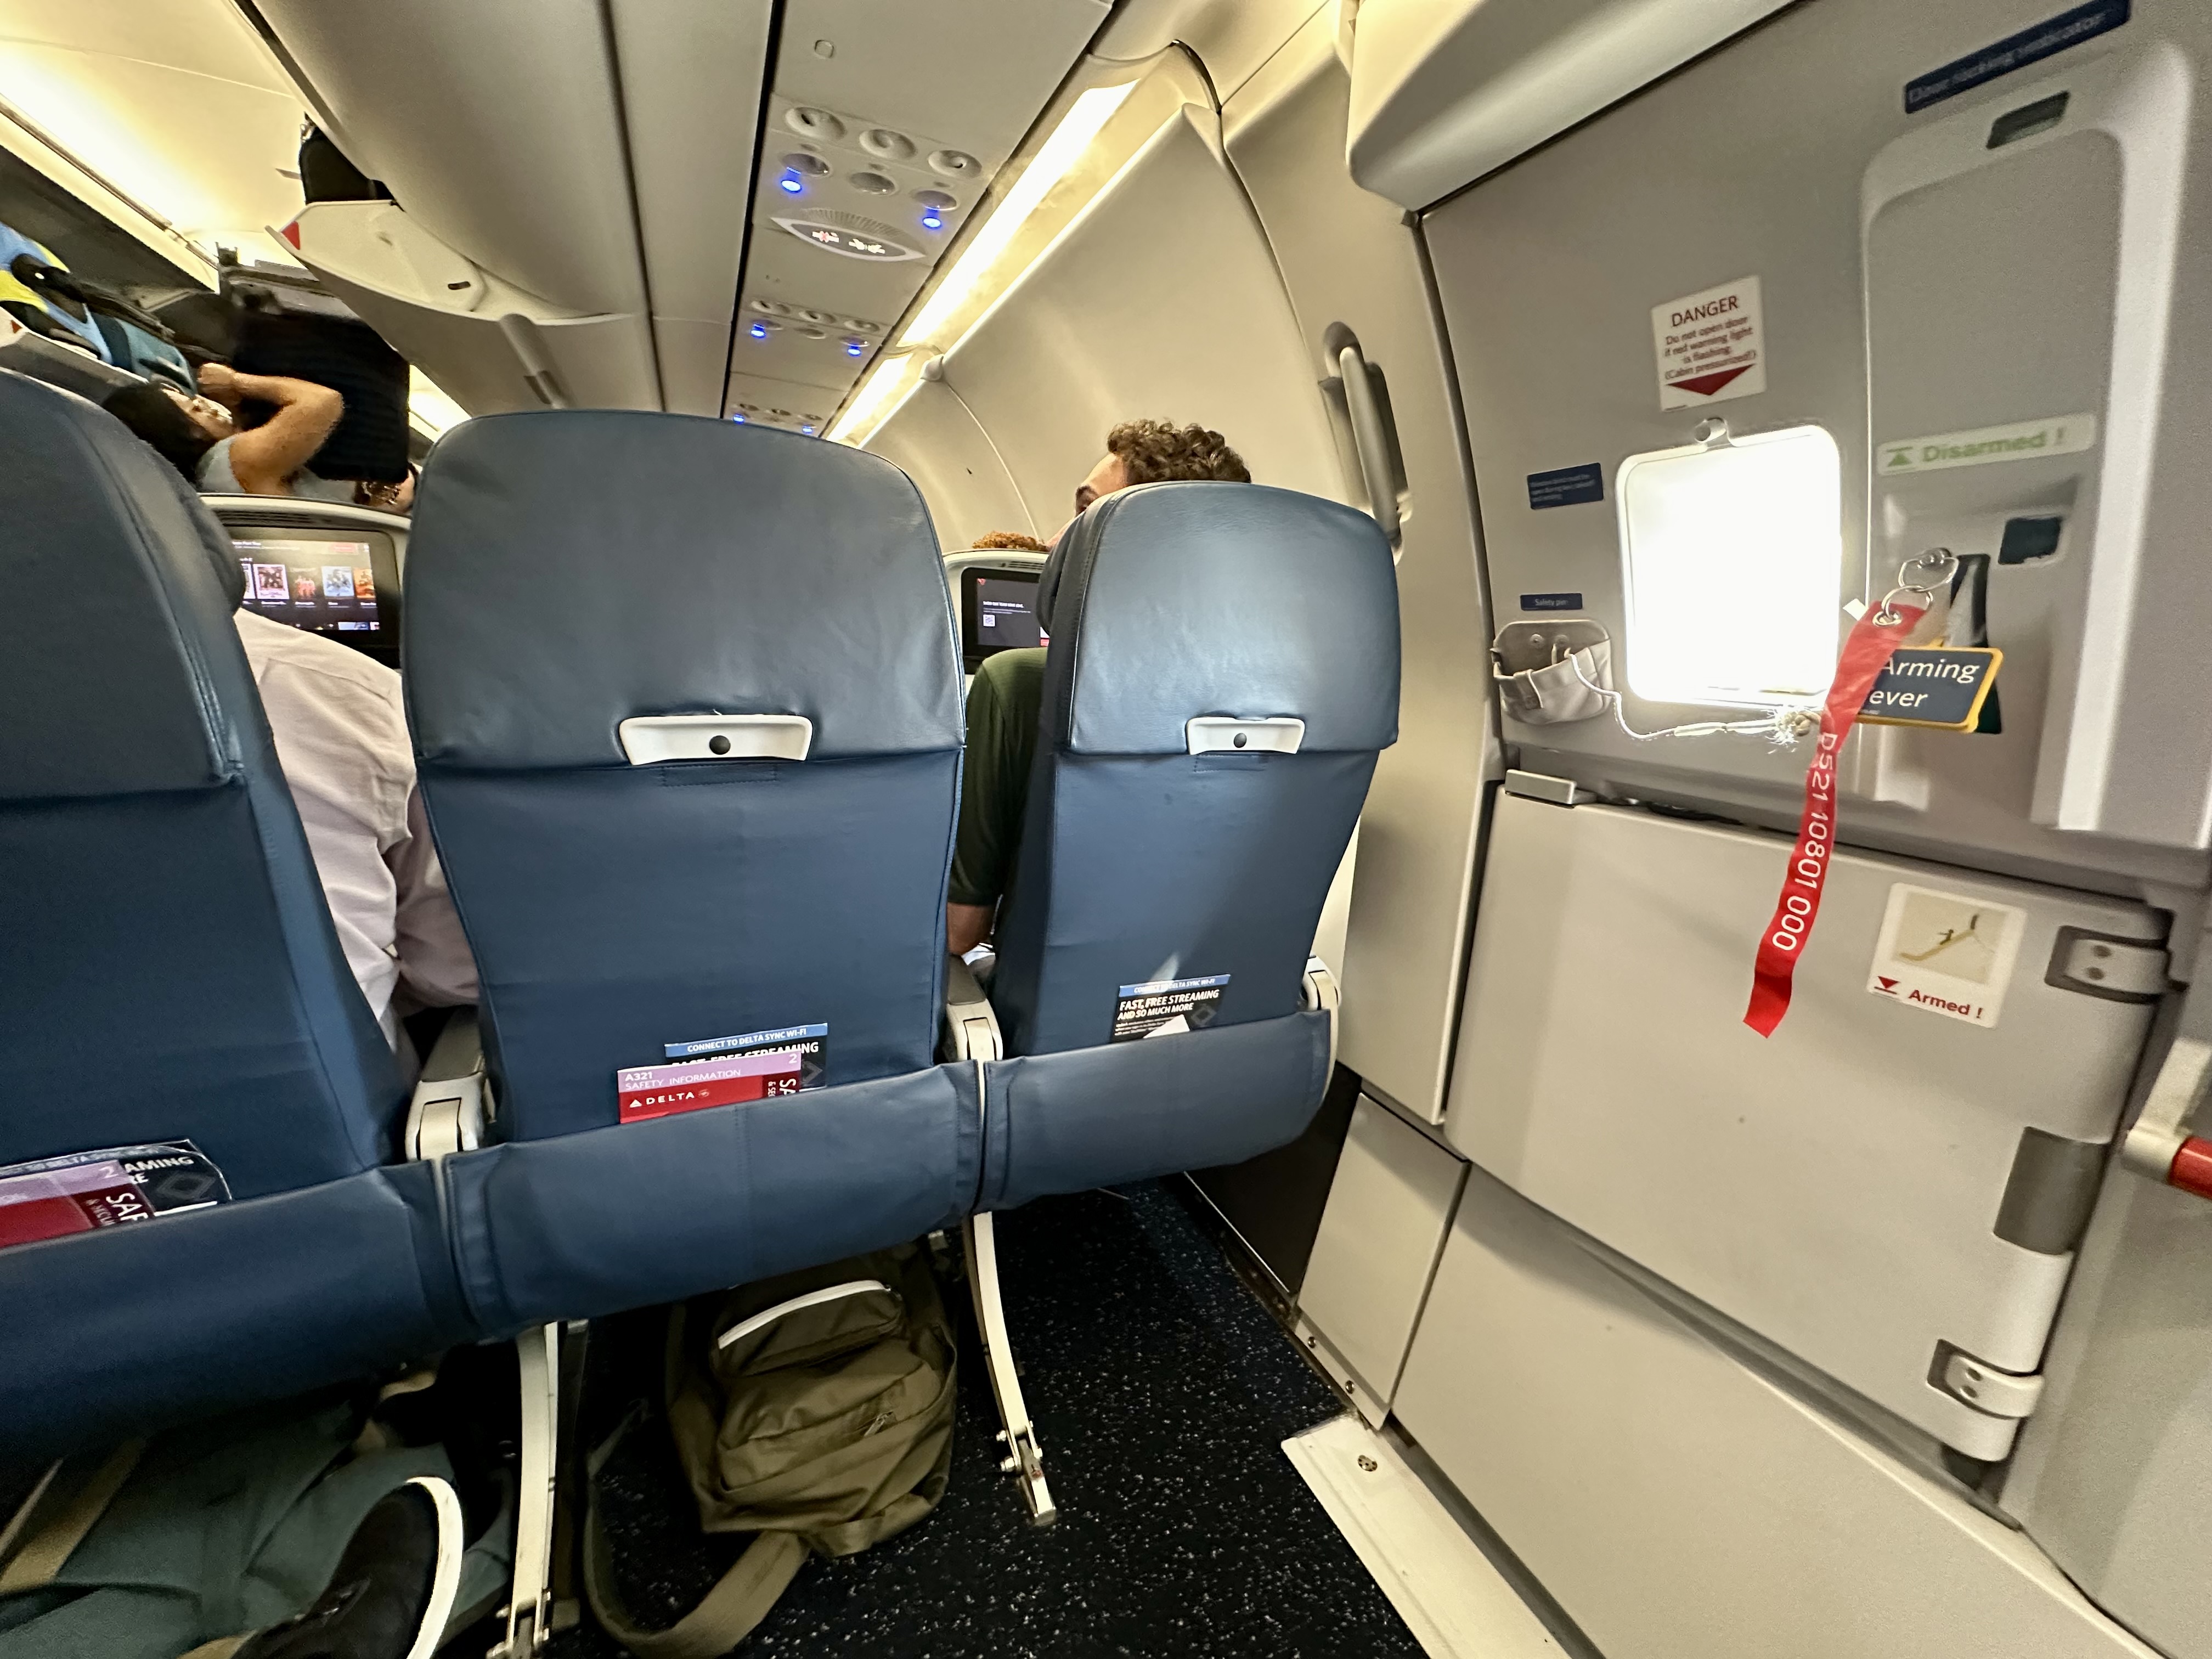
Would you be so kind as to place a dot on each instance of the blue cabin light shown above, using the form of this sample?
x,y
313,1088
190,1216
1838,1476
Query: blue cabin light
x,y
740,417
808,430
758,330
854,349
930,220
792,183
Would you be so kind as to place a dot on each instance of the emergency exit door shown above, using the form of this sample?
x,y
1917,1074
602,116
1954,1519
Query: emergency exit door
x,y
1891,1186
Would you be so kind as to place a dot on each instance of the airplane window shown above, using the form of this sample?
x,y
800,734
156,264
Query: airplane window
x,y
1732,560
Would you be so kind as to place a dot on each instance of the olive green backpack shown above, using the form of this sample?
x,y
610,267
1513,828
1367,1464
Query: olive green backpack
x,y
814,1411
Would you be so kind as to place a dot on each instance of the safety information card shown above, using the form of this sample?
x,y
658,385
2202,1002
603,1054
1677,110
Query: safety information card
x,y
1165,1007
82,1191
649,1091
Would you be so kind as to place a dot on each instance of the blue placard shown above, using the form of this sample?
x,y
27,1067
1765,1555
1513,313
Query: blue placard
x,y
1567,486
2068,28
1551,601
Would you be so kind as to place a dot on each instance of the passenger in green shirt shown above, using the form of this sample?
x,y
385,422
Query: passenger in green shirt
x,y
1008,692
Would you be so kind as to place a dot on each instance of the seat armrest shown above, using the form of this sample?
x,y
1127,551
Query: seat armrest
x,y
452,1098
1320,991
971,1028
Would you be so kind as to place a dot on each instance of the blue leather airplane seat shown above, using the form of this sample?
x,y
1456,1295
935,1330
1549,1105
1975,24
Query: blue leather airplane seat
x,y
1223,674
596,599
170,973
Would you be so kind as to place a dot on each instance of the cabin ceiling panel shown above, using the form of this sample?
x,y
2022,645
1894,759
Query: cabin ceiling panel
x,y
937,442
781,403
1161,300
691,73
977,70
870,149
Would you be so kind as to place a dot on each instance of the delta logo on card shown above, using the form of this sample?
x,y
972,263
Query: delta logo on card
x,y
647,1092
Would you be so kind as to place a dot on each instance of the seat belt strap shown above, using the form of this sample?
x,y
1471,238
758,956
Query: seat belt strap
x,y
47,1551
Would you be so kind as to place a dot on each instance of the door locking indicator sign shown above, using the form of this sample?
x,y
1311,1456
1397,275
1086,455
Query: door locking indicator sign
x,y
1711,346
2022,440
2014,52
1946,953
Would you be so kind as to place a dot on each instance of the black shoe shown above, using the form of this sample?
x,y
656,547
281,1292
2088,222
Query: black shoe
x,y
393,1588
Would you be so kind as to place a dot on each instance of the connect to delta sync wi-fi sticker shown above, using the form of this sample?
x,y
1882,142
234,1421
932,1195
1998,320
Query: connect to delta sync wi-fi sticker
x,y
1946,953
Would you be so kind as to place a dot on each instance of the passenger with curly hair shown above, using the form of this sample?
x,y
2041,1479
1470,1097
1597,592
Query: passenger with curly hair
x,y
1009,689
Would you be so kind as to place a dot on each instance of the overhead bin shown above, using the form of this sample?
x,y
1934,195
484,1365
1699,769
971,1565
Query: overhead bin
x,y
499,124
491,347
1441,95
590,163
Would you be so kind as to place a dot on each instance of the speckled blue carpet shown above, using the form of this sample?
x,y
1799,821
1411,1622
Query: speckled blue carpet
x,y
1161,1390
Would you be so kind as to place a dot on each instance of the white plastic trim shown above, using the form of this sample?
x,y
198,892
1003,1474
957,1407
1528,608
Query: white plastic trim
x,y
649,739
1210,734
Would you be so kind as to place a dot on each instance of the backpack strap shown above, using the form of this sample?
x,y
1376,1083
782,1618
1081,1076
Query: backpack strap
x,y
737,1603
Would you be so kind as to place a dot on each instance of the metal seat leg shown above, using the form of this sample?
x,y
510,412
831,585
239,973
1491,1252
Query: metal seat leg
x,y
529,1609
1024,1458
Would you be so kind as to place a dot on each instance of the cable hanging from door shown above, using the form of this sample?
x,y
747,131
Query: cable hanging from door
x,y
1784,726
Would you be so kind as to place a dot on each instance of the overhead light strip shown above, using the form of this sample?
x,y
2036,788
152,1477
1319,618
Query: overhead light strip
x,y
978,263
872,405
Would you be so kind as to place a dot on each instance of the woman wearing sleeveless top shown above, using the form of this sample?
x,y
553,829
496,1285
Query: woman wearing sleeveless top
x,y
201,439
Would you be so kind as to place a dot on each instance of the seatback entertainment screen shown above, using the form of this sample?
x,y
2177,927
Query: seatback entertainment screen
x,y
327,588
997,612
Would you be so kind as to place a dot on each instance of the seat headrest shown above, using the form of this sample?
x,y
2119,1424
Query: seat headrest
x,y
569,569
1181,599
115,585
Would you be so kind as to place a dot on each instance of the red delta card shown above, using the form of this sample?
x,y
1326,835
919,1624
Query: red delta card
x,y
48,1204
649,1091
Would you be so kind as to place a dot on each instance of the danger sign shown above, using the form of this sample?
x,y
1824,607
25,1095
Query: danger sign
x,y
1711,346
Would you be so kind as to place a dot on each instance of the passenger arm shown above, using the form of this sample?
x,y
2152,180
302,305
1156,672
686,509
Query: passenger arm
x,y
967,926
306,416
434,959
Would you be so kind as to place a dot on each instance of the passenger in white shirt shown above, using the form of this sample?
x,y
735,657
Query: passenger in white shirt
x,y
342,738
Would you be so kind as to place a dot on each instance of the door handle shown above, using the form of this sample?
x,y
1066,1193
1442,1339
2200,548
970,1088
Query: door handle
x,y
1371,436
2158,1145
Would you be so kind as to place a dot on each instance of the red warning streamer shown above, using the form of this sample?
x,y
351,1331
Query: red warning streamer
x,y
1866,652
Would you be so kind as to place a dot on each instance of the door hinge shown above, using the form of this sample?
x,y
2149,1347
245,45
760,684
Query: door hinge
x,y
1978,1383
2102,965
